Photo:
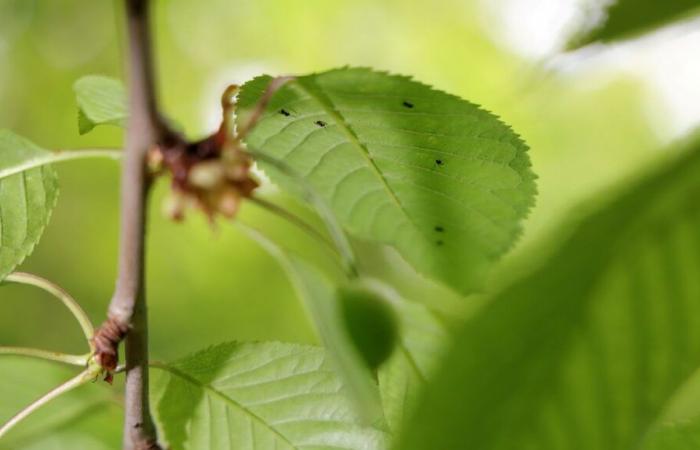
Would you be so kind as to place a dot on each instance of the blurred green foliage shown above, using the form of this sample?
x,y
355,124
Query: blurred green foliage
x,y
212,285
627,18
589,350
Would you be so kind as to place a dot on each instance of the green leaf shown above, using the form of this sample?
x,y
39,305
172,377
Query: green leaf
x,y
443,181
317,291
586,351
28,192
679,436
626,18
370,321
402,378
258,396
101,101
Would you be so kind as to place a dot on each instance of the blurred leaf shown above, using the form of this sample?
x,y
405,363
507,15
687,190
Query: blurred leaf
x,y
101,101
625,18
369,320
28,192
586,351
258,396
443,181
65,440
403,377
318,293
680,436
88,415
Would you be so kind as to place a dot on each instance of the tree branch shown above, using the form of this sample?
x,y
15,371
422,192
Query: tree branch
x,y
127,310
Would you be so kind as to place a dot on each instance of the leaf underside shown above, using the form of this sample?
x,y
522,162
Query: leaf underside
x,y
444,182
26,199
101,101
259,396
586,352
403,377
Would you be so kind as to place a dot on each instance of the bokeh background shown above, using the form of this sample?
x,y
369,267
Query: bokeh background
x,y
592,118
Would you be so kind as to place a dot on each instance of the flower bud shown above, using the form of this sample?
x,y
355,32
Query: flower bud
x,y
206,175
174,206
229,203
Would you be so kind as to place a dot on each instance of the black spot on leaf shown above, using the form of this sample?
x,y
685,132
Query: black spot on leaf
x,y
285,113
439,229
321,123
439,162
408,104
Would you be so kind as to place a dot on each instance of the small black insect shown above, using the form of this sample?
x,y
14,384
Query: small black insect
x,y
321,123
285,113
439,229
408,104
438,162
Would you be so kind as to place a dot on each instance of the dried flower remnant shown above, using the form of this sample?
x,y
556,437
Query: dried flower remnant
x,y
213,174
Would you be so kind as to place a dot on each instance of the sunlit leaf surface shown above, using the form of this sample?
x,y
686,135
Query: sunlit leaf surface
x,y
443,181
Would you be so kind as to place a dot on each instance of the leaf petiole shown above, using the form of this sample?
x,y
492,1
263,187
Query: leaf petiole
x,y
62,295
82,378
74,360
59,156
296,221
335,230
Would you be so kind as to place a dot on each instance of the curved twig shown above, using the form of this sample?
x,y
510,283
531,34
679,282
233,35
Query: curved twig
x,y
334,228
82,378
61,294
296,221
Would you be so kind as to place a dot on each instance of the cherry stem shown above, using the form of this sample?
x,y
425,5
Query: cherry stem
x,y
74,360
59,293
296,221
335,230
82,378
59,156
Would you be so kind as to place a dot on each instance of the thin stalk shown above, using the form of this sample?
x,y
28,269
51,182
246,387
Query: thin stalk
x,y
80,379
59,293
59,156
260,107
296,221
69,155
335,230
73,360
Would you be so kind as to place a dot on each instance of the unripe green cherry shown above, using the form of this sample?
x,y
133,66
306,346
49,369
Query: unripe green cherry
x,y
370,322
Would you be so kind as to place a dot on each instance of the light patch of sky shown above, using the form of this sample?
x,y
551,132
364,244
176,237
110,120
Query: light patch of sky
x,y
668,60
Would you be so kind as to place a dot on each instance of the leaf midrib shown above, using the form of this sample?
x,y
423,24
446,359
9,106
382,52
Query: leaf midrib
x,y
327,106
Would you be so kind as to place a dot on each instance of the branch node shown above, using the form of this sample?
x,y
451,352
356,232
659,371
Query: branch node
x,y
106,342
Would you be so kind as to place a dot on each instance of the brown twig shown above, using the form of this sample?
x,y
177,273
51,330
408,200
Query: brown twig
x,y
127,310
